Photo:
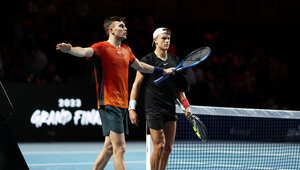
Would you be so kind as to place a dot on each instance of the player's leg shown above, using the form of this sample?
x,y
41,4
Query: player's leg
x,y
104,155
169,131
155,125
158,140
117,124
118,143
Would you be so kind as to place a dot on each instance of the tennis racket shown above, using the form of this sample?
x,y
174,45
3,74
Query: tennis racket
x,y
197,124
190,60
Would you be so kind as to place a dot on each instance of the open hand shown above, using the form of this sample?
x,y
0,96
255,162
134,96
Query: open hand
x,y
63,47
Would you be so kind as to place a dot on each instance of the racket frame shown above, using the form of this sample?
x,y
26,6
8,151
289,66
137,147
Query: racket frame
x,y
191,119
178,67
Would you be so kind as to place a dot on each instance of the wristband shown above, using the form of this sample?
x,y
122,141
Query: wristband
x,y
185,103
132,105
158,70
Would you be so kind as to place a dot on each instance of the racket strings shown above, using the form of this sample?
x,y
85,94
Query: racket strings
x,y
200,128
196,56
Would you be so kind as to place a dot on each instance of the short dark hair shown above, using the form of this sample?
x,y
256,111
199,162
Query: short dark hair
x,y
110,20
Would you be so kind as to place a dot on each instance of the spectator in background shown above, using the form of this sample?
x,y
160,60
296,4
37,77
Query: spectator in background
x,y
1,68
51,75
44,22
39,62
8,64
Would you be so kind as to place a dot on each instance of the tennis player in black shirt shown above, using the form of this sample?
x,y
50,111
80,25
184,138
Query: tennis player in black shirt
x,y
159,99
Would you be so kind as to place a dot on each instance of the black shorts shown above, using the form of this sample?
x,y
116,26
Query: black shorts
x,y
114,119
157,120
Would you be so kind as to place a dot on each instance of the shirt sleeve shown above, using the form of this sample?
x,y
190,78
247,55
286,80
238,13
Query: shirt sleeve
x,y
145,60
131,56
97,47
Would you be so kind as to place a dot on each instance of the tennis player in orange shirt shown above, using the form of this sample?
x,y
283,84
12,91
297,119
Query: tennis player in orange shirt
x,y
111,61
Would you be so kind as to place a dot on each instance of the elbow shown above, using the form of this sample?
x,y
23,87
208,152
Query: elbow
x,y
88,52
140,69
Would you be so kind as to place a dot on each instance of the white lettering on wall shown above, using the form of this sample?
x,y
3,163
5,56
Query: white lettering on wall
x,y
63,117
40,117
87,117
69,103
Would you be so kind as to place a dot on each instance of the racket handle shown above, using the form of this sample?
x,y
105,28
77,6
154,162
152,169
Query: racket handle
x,y
157,81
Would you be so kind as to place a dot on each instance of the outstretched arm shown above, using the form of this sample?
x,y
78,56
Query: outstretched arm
x,y
133,98
75,51
146,68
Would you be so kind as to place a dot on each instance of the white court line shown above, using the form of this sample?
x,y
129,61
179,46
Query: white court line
x,y
72,152
82,163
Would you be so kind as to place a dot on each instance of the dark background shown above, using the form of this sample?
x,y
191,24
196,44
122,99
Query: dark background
x,y
253,65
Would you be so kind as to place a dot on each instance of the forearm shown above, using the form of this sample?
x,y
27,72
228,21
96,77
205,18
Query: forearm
x,y
133,98
132,104
145,68
181,95
183,100
134,93
135,90
81,52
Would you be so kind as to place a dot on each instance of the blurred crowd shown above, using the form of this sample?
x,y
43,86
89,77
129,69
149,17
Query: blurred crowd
x,y
243,70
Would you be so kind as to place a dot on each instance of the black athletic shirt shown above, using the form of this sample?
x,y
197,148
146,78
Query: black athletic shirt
x,y
159,98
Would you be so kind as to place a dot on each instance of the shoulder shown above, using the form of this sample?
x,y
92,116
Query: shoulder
x,y
148,57
99,44
126,47
173,57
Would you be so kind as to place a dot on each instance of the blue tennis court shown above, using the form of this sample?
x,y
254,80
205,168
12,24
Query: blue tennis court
x,y
215,155
77,156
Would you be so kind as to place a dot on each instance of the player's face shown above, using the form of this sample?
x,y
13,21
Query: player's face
x,y
119,30
162,41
